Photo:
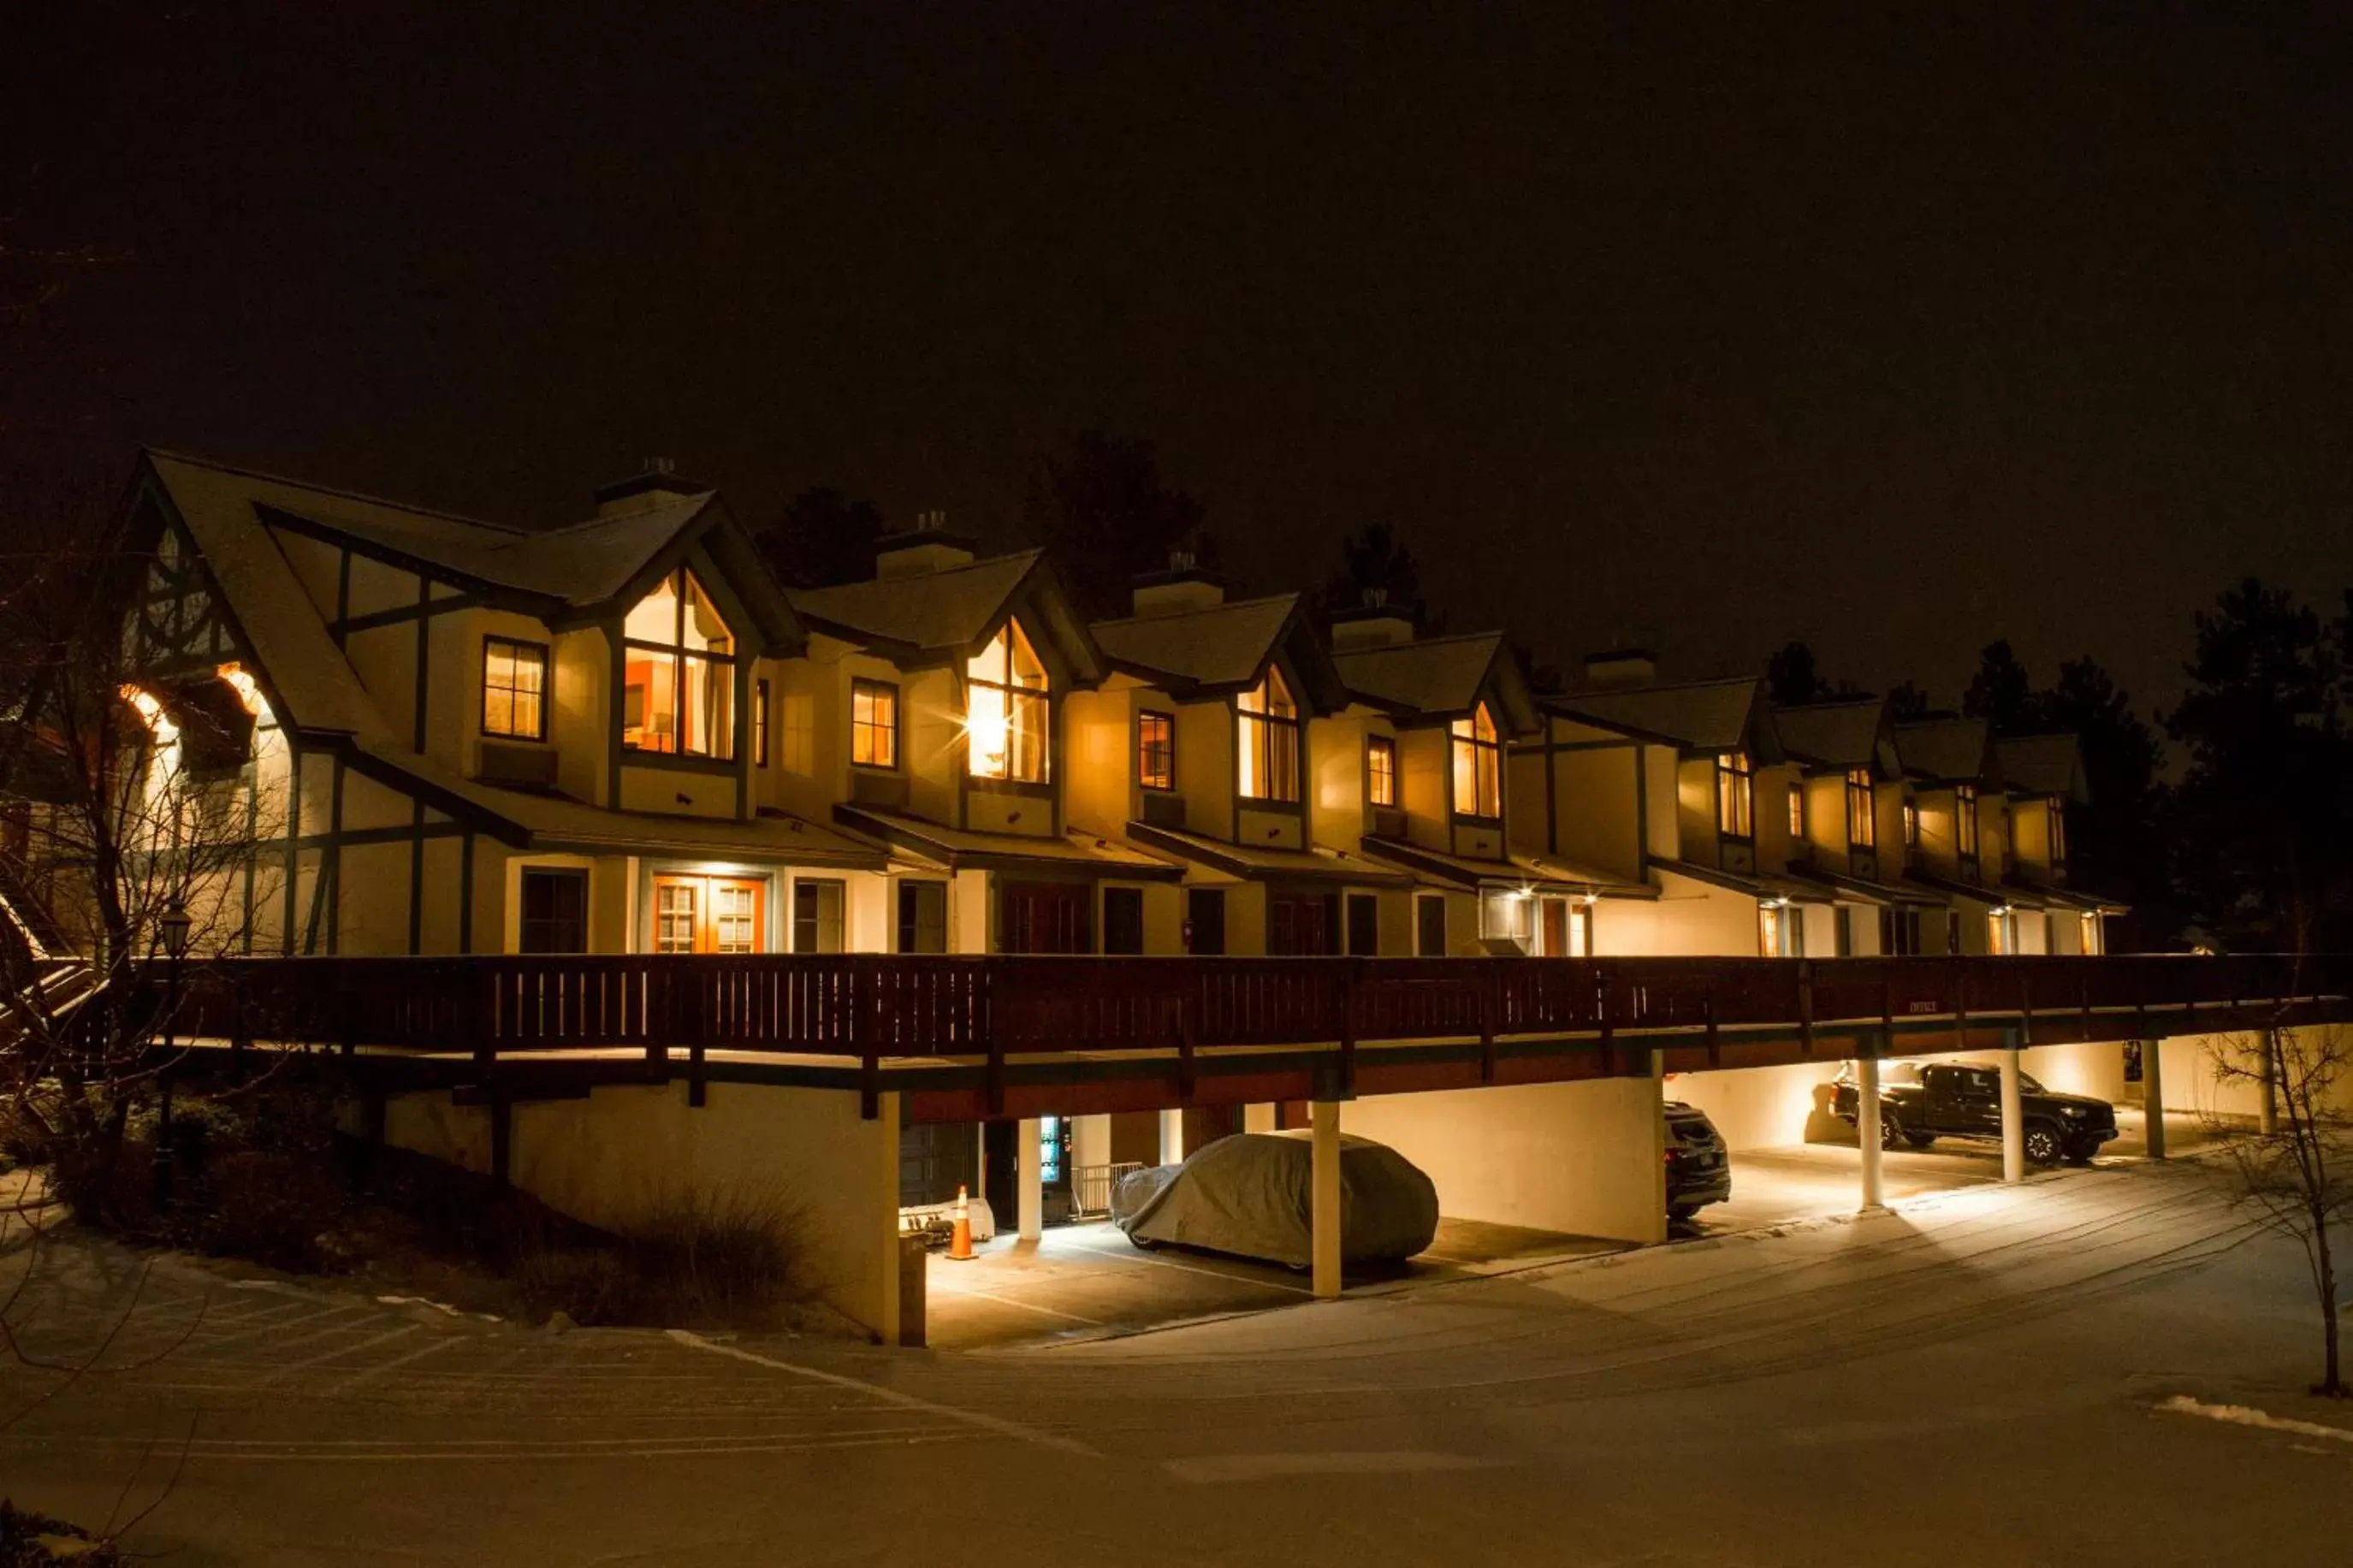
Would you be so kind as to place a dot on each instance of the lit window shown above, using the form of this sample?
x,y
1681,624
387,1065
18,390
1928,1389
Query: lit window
x,y
1798,812
2088,926
1965,820
1781,931
515,689
2055,812
2001,933
1862,829
1477,766
874,724
760,721
1736,800
1504,916
679,691
1006,714
1268,733
1910,826
1380,769
1156,750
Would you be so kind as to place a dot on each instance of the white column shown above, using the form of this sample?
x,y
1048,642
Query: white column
x,y
1172,1137
1323,1208
2013,1121
1866,1126
2152,1095
1026,1154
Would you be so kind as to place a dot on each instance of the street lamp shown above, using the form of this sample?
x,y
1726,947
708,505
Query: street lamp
x,y
174,923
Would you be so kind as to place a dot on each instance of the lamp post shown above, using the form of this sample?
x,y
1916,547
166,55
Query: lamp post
x,y
173,926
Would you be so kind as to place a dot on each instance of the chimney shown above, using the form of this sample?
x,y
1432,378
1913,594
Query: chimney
x,y
926,548
1374,622
1185,585
654,484
1621,666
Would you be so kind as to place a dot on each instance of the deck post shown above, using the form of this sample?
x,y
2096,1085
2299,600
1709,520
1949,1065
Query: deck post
x,y
2152,1096
1867,1129
1487,1010
2013,1123
1715,1045
1028,1151
1324,1218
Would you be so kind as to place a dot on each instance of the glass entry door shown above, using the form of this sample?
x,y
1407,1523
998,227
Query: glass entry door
x,y
710,914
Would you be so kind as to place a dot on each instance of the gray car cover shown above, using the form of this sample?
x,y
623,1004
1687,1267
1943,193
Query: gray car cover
x,y
1248,1194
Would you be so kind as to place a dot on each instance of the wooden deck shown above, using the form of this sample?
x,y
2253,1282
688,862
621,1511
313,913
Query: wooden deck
x,y
969,1037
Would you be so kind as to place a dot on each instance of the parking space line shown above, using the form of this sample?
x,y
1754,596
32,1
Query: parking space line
x,y
1210,1273
381,1367
1025,1305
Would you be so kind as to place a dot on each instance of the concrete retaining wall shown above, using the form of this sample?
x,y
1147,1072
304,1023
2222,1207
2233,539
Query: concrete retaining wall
x,y
1586,1159
620,1155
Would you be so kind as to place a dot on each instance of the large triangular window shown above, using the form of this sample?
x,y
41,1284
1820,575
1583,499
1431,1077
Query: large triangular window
x,y
678,694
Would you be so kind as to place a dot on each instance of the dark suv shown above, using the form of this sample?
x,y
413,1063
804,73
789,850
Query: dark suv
x,y
1920,1102
1699,1168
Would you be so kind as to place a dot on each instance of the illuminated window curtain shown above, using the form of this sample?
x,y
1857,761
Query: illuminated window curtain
x,y
1006,710
1861,830
874,724
1964,819
1156,750
2056,814
1798,812
1736,800
1266,731
1380,769
679,686
1477,766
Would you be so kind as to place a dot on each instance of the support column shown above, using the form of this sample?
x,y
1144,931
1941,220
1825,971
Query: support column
x,y
1324,1227
1866,1126
1028,1153
1172,1137
2013,1120
2152,1095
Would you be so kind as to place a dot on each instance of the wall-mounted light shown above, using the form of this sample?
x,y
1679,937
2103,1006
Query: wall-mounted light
x,y
248,690
151,713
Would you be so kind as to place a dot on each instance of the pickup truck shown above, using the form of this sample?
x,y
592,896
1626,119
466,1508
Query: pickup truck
x,y
1920,1102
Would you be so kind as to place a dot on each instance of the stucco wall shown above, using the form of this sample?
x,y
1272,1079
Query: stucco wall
x,y
618,1156
1765,1108
1585,1159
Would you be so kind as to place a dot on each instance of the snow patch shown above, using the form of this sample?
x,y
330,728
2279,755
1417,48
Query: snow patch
x,y
2247,1416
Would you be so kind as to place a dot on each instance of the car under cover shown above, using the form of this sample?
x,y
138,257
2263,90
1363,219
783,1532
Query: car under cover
x,y
1250,1194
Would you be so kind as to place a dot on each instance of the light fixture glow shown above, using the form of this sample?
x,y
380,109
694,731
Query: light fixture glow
x,y
151,713
248,690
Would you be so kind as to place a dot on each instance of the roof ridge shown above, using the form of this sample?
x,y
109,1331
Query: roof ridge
x,y
1199,610
219,467
1421,642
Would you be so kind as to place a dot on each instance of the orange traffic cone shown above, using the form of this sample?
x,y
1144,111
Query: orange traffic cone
x,y
960,1241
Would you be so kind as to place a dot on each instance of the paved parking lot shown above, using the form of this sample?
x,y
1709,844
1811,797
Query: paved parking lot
x,y
1087,1282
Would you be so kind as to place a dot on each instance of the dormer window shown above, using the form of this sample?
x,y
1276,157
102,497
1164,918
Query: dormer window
x,y
1005,713
1862,829
1735,796
1267,741
678,694
515,689
1965,820
874,724
1477,766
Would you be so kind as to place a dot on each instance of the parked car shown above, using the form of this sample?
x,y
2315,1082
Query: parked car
x,y
1920,1102
1699,1167
1250,1195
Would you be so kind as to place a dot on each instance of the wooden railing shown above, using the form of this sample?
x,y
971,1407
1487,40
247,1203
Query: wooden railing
x,y
876,1007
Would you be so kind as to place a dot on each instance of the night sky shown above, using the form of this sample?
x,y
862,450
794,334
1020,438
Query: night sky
x,y
1890,334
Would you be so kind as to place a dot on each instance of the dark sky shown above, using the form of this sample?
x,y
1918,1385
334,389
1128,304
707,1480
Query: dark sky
x,y
1890,333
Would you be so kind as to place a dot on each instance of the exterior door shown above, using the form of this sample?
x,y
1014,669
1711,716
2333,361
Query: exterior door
x,y
709,914
1045,916
1553,928
1300,925
1364,925
1204,924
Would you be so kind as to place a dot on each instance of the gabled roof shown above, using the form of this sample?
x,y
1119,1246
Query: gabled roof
x,y
579,567
1223,647
1863,889
2043,765
1694,716
1945,751
1254,862
962,846
1838,735
1533,873
1441,677
951,612
1759,885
